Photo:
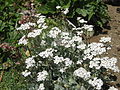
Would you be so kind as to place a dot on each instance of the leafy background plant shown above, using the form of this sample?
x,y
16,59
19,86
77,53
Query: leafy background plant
x,y
9,17
94,11
9,51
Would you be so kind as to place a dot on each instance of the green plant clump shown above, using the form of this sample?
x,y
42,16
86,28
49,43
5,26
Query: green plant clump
x,y
94,11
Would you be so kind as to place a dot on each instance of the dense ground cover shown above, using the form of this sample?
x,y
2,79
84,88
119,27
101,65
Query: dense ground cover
x,y
47,42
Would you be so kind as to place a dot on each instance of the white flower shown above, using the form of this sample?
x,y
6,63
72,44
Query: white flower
x,y
82,21
79,33
68,41
62,70
95,49
105,39
54,32
86,27
43,26
88,56
77,39
34,33
24,27
58,7
81,72
108,48
42,75
41,87
54,44
90,29
109,63
58,60
82,46
26,73
43,42
23,40
112,88
79,62
68,62
66,10
47,53
32,24
95,63
64,35
30,62
38,15
41,19
78,18
97,83
78,28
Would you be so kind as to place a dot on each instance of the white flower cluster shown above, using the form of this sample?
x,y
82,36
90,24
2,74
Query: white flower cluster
x,y
41,87
106,62
112,88
47,53
41,22
34,33
26,73
105,39
62,70
43,43
95,63
23,40
97,83
41,19
79,62
68,41
81,72
54,32
68,62
66,11
88,27
81,46
109,63
41,25
24,27
65,49
58,60
58,7
80,20
94,49
30,62
42,75
32,24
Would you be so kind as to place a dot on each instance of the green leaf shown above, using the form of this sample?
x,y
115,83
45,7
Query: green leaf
x,y
66,3
58,87
48,8
90,15
74,0
83,12
100,23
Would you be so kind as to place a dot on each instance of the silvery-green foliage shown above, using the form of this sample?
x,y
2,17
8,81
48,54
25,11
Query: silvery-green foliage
x,y
61,59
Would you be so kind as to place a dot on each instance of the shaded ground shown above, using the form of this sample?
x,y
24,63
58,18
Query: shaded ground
x,y
114,33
